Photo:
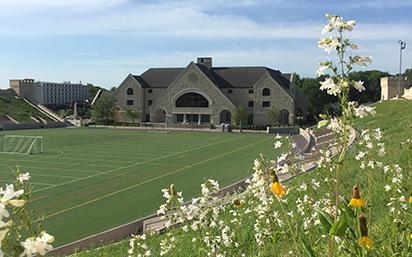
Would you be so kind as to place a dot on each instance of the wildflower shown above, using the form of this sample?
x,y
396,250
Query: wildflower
x,y
237,203
330,86
10,193
278,144
364,233
23,177
277,187
359,86
361,60
356,200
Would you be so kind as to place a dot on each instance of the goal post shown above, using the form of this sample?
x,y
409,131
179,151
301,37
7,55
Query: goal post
x,y
153,127
14,144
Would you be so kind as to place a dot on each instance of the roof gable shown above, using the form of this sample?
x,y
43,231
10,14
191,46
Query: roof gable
x,y
222,77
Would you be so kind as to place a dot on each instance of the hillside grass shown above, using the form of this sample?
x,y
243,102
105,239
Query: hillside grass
x,y
20,110
389,237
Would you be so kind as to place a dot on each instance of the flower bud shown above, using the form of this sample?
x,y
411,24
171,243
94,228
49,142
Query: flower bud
x,y
362,224
272,171
173,190
236,202
356,192
274,178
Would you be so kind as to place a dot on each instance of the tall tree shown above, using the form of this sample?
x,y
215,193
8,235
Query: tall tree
x,y
132,113
102,109
239,114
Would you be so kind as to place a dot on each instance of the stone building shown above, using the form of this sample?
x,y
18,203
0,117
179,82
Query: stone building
x,y
390,88
202,94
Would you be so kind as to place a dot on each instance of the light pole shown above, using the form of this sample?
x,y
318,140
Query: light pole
x,y
403,46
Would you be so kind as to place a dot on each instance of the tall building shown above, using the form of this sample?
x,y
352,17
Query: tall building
x,y
50,93
202,94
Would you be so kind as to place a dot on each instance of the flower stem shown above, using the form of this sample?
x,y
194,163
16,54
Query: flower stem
x,y
291,229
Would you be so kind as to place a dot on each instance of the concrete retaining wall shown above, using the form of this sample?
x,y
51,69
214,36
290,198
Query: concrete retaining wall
x,y
283,130
33,125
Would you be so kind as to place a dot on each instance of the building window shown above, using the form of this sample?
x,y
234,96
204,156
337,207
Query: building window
x,y
250,103
129,102
150,91
148,117
130,91
150,102
250,91
229,91
265,104
266,92
179,117
192,100
204,118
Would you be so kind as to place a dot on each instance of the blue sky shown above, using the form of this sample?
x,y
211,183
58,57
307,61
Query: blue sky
x,y
102,41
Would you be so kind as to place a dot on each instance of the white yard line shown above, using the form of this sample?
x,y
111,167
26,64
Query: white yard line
x,y
135,164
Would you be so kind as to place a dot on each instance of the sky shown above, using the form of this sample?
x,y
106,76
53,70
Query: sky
x,y
103,41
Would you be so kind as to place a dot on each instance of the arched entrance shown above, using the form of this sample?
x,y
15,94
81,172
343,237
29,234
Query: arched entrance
x,y
284,114
225,116
160,116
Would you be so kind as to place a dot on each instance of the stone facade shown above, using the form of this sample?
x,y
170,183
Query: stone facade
x,y
203,95
390,85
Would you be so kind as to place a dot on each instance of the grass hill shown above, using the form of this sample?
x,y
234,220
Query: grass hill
x,y
19,110
389,216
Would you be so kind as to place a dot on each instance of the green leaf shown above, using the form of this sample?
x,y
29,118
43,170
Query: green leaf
x,y
308,249
339,227
325,219
276,237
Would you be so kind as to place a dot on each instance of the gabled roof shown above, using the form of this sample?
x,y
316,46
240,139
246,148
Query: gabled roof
x,y
223,77
158,77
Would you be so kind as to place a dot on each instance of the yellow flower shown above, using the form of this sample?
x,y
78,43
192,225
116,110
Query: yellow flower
x,y
278,189
366,241
236,203
357,202
410,199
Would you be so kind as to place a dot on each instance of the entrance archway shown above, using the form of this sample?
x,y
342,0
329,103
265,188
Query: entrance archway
x,y
284,114
160,116
225,117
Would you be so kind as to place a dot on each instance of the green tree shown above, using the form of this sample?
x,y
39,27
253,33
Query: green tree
x,y
102,109
372,83
94,89
274,115
239,115
69,112
132,113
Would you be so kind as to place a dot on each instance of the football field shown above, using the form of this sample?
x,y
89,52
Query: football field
x,y
90,180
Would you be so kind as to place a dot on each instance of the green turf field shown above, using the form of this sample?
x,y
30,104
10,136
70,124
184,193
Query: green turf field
x,y
90,180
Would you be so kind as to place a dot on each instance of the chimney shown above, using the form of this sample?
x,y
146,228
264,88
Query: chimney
x,y
206,61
